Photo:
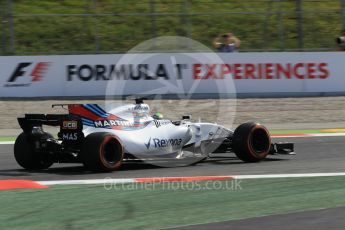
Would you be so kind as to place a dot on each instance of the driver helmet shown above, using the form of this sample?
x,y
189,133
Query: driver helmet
x,y
158,116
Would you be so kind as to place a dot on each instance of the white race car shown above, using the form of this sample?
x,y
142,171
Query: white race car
x,y
102,140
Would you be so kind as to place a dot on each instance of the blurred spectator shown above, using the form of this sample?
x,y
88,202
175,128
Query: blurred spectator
x,y
226,43
341,41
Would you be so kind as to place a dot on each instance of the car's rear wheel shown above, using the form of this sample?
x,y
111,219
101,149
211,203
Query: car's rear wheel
x,y
102,152
251,142
26,156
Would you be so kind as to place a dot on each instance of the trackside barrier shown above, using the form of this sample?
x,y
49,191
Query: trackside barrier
x,y
262,74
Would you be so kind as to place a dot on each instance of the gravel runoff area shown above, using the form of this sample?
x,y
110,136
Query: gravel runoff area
x,y
275,113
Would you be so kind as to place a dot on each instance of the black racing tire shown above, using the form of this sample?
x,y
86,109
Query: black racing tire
x,y
26,157
251,142
102,152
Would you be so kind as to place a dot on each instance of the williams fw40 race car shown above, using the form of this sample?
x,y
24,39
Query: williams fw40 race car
x,y
102,140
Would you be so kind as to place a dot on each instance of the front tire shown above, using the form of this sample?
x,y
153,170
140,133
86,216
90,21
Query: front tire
x,y
251,142
25,155
102,152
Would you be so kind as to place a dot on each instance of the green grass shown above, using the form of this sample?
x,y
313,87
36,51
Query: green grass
x,y
155,206
295,131
259,28
7,138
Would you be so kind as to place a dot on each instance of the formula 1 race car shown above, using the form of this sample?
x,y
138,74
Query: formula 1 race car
x,y
102,140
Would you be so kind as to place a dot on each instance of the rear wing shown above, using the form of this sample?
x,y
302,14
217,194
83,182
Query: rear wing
x,y
77,113
31,120
65,121
37,120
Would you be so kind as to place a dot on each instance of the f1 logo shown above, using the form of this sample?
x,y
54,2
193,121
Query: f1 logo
x,y
36,74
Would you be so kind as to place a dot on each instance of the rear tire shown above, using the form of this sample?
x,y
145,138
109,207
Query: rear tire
x,y
26,157
251,142
102,152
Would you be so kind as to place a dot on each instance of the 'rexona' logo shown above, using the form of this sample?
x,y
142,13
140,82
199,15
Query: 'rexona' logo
x,y
23,70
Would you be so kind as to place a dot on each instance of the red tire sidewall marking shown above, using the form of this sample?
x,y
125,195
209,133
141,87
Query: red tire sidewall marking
x,y
249,141
105,164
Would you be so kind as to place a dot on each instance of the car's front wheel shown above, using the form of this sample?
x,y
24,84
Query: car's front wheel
x,y
102,152
251,142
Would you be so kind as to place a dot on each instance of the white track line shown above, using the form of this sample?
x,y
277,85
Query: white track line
x,y
309,135
297,175
110,181
87,181
6,142
328,135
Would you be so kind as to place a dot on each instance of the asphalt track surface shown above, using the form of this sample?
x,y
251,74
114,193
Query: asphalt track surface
x,y
314,155
332,218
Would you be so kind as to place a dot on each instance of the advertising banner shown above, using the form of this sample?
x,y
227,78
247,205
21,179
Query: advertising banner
x,y
172,74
